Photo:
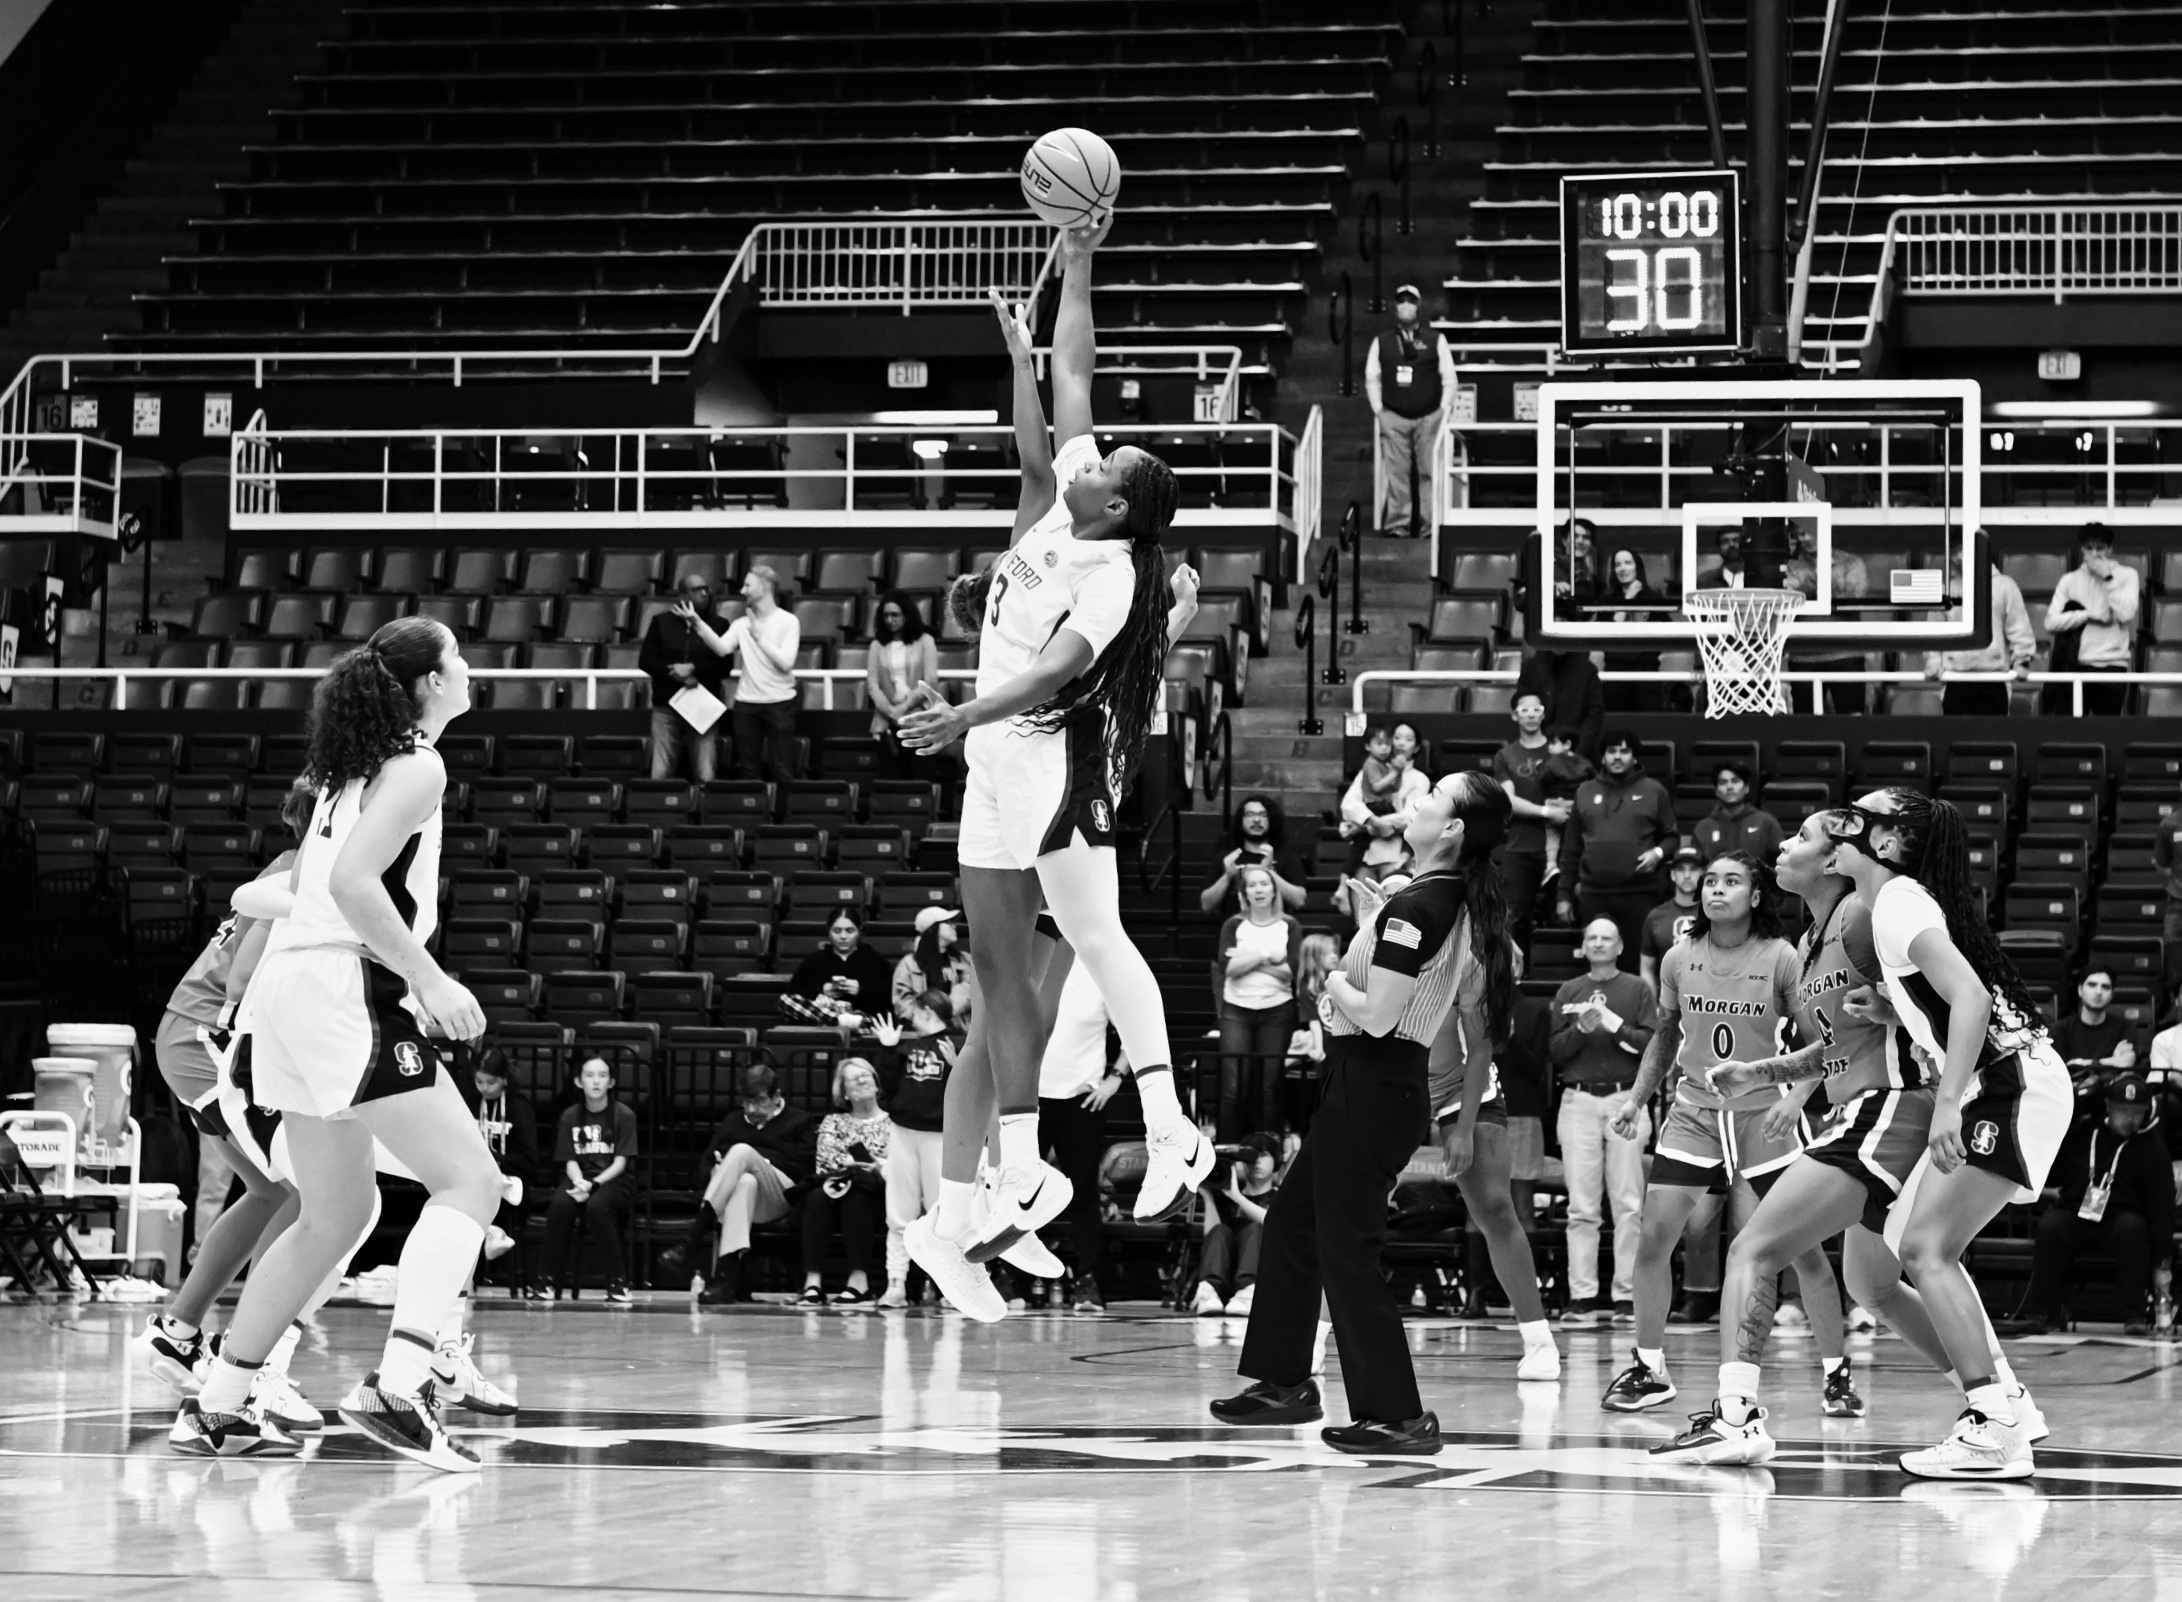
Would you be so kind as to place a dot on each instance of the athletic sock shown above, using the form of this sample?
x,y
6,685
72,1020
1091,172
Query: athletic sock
x,y
178,1329
1991,1398
1738,1391
405,1365
1162,1106
2004,1375
1536,1332
435,1265
277,1360
1019,1141
952,1217
458,1321
1653,1358
227,1387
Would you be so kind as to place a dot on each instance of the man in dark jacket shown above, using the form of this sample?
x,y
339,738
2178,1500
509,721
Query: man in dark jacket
x,y
1570,685
1735,824
2113,1194
761,1152
1615,847
676,659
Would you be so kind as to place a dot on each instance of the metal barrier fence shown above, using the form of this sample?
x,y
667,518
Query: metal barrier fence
x,y
59,484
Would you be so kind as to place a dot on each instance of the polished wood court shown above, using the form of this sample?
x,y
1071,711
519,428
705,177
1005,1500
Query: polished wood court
x,y
764,1452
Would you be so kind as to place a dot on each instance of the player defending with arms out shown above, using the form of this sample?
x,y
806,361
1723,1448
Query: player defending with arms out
x,y
1072,646
1723,995
334,1024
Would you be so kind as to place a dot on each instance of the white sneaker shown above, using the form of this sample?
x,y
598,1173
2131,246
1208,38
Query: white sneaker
x,y
1540,1363
1207,1303
895,1295
409,1425
2030,1418
1977,1448
498,1243
960,1281
1030,1254
1862,1321
171,1358
1178,1162
248,1433
1239,1304
1790,1316
285,1405
1711,1439
1023,1202
457,1379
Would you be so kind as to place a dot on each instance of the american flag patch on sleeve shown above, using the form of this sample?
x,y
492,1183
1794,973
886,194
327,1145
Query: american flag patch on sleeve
x,y
1398,933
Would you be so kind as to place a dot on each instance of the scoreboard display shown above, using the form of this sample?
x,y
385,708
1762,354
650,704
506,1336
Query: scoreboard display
x,y
1651,262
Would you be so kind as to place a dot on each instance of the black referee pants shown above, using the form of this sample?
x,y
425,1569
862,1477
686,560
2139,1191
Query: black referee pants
x,y
1327,1224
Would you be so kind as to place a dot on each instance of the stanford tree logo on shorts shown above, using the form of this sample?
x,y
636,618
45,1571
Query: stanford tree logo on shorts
x,y
1101,818
408,1058
1985,1137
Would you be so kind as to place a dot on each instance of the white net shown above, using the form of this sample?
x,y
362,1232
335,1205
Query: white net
x,y
1741,635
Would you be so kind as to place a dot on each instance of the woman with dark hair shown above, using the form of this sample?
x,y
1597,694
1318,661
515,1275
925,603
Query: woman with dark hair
x,y
843,980
1071,648
1723,993
1438,943
903,656
1576,574
1638,603
938,961
335,1024
1259,839
2000,1112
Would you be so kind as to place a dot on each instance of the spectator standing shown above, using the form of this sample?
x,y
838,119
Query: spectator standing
x,y
2114,1194
1518,767
1734,824
1733,567
1570,687
1615,848
510,1127
2010,649
1317,957
760,1153
676,656
1601,1023
850,1154
916,1056
2097,602
1409,375
1577,577
903,655
1260,949
843,982
1386,852
764,641
1260,837
597,1140
2094,1040
1634,601
938,961
1075,1082
1673,918
1851,582
1227,1270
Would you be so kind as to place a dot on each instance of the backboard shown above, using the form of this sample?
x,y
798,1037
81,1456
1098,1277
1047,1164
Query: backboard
x,y
1864,496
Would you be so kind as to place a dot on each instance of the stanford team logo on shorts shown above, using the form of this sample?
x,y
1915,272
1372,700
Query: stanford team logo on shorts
x,y
1102,819
408,1058
1985,1138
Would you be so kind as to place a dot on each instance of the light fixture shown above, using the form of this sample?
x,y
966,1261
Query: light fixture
x,y
934,419
2074,410
928,450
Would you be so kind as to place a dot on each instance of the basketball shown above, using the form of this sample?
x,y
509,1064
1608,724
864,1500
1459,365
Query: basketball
x,y
1070,177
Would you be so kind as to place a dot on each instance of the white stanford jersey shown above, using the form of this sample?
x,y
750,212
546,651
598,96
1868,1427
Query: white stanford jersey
x,y
1050,578
411,879
1901,911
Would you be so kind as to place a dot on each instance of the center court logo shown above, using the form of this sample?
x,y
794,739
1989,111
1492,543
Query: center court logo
x,y
408,1058
1985,1137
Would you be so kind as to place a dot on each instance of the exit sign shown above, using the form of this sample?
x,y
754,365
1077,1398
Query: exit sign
x,y
2060,365
907,375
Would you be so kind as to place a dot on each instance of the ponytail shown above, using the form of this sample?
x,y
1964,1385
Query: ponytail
x,y
364,712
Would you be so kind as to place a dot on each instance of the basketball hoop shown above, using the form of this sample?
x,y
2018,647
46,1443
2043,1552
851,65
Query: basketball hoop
x,y
1741,635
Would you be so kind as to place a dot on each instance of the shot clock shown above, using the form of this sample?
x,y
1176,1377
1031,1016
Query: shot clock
x,y
1650,261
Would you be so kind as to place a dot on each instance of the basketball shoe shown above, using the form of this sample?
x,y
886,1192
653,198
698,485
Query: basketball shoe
x,y
409,1425
1712,1439
1178,1161
1637,1387
1019,1204
455,1377
962,1282
1977,1448
248,1433
172,1357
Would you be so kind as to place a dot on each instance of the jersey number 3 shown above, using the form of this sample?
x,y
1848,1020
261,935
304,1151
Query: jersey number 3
x,y
1000,588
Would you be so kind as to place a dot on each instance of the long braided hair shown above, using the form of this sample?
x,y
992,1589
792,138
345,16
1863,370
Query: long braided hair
x,y
1124,682
365,710
1765,921
1936,853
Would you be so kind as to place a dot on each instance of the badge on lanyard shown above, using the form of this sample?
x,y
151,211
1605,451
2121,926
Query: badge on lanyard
x,y
1404,375
2093,1207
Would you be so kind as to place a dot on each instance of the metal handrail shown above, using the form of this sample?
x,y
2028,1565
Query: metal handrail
x,y
1817,679
1307,509
1219,753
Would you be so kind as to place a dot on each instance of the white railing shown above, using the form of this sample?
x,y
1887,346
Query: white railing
x,y
2120,473
59,484
1309,513
942,259
2057,250
311,480
1816,679
589,678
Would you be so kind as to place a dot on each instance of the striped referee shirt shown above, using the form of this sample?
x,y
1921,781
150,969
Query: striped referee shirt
x,y
1416,936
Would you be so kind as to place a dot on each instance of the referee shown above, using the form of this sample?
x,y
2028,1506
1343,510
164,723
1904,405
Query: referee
x,y
1440,941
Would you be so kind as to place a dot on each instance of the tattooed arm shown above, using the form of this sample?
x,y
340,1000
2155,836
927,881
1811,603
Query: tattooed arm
x,y
1790,1068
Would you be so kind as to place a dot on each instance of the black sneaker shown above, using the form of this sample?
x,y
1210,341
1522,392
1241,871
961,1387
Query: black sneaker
x,y
724,1288
1624,1313
617,1292
1637,1387
1840,1399
1473,1303
1267,1403
409,1425
1371,1437
1697,1307
248,1433
1583,1313
1084,1294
